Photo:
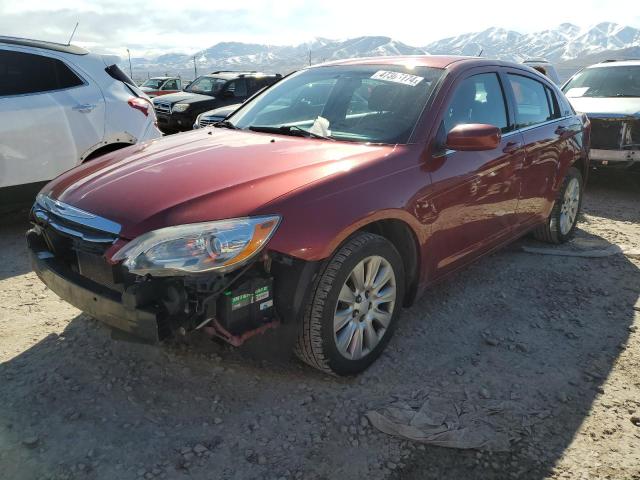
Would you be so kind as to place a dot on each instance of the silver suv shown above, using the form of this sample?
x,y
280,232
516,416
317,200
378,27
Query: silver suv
x,y
609,93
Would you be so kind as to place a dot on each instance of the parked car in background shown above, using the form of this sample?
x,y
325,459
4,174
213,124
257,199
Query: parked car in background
x,y
178,112
544,67
214,116
609,93
158,86
325,204
59,107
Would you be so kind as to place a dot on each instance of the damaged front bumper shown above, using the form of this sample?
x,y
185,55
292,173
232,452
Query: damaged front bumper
x,y
97,301
233,307
615,141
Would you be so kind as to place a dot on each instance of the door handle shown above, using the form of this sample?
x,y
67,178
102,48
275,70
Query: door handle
x,y
84,107
511,147
562,131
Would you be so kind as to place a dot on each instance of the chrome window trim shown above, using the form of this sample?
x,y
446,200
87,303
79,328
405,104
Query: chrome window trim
x,y
542,124
77,216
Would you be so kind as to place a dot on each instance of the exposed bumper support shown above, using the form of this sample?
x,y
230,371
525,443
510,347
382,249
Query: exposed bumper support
x,y
618,158
93,299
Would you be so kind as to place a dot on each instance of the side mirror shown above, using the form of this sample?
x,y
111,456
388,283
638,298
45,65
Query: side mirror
x,y
472,137
228,94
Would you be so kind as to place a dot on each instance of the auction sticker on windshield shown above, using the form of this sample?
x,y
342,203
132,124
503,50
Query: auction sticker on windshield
x,y
397,77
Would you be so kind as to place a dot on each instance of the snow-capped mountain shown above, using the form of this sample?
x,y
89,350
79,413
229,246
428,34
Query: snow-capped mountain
x,y
565,44
271,58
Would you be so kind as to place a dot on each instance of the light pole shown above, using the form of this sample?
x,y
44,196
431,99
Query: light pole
x,y
130,69
195,68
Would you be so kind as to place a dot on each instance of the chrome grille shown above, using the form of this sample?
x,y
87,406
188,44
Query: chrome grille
x,y
206,121
162,107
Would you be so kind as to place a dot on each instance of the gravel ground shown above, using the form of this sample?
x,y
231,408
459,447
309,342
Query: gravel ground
x,y
554,335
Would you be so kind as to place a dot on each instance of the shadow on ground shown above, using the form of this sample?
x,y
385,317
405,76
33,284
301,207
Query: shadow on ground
x,y
12,229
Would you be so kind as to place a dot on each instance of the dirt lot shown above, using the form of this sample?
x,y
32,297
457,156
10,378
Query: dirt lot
x,y
552,335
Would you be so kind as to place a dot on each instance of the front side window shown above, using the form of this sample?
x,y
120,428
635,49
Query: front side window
x,y
357,103
610,81
532,102
24,73
171,85
153,83
206,85
478,99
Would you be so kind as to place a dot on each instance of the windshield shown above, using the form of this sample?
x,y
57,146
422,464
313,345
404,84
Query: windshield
x,y
622,81
206,85
359,103
152,83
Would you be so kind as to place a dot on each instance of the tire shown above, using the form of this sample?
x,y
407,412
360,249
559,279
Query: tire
x,y
557,228
317,343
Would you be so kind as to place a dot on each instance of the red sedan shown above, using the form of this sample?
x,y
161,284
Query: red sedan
x,y
321,207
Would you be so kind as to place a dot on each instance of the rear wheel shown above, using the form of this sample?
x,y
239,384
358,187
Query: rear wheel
x,y
561,224
352,313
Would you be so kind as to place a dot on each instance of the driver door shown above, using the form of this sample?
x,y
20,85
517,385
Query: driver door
x,y
475,192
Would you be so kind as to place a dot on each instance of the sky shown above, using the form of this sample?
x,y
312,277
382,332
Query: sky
x,y
162,26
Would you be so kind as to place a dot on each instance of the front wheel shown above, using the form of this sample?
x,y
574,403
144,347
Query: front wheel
x,y
561,224
354,308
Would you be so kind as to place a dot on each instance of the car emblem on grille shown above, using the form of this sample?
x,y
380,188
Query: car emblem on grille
x,y
48,207
64,210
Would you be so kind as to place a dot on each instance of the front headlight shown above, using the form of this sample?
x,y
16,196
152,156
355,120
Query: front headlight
x,y
180,107
217,246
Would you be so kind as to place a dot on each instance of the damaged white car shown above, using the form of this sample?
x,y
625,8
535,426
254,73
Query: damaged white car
x,y
609,93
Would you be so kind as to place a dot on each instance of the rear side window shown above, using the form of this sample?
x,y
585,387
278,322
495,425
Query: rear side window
x,y
25,73
478,99
532,101
237,87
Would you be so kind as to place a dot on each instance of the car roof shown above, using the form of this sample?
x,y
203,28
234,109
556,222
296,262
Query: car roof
x,y
435,61
58,47
615,63
231,74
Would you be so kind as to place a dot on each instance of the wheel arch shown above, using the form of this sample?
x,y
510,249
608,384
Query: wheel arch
x,y
112,143
404,239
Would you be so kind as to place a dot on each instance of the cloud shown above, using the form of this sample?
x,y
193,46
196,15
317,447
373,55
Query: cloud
x,y
169,26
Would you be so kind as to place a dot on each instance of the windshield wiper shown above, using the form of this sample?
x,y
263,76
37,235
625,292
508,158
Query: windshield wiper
x,y
225,124
294,130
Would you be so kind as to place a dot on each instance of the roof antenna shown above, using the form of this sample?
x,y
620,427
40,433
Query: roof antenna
x,y
480,53
73,33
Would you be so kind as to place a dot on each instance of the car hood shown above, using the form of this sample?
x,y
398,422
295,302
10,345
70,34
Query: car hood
x,y
203,175
222,111
625,106
185,97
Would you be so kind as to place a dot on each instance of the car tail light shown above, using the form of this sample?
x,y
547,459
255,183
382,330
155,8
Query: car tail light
x,y
140,104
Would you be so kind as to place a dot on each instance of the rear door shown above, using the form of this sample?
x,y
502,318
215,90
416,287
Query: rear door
x,y
546,133
235,91
475,193
50,115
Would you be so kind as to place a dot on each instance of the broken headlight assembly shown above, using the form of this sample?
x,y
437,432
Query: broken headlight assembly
x,y
218,246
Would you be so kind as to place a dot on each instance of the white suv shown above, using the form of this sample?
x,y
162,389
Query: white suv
x,y
60,106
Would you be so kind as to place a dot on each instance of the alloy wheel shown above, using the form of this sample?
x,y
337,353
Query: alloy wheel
x,y
570,205
365,307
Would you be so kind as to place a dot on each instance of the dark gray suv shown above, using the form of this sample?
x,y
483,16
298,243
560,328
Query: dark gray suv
x,y
177,112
